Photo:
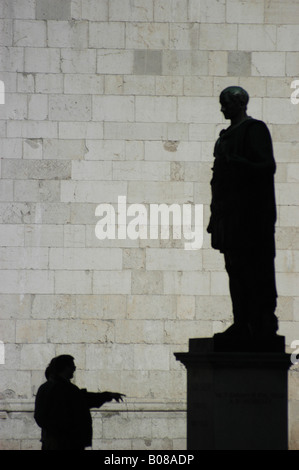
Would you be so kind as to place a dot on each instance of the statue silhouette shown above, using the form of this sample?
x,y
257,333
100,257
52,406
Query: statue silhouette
x,y
243,216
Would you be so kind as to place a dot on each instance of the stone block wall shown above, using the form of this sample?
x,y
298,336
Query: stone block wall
x,y
109,98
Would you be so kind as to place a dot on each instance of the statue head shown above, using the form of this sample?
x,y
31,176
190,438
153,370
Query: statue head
x,y
234,100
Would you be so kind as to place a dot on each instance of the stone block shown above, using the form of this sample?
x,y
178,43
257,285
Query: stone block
x,y
138,85
79,130
12,235
155,109
36,356
84,213
70,34
19,384
70,108
6,190
245,12
178,332
135,131
7,335
112,282
93,10
78,60
48,83
15,107
107,35
25,83
108,307
105,150
278,13
139,331
24,258
255,37
185,62
53,306
173,260
126,10
256,86
44,235
27,282
287,37
268,64
11,59
173,11
147,282
239,63
74,236
83,84
109,357
198,86
170,85
280,111
92,170
174,192
75,259
198,110
42,60
6,29
147,62
38,107
153,306
17,9
292,63
10,80
184,36
113,108
218,37
186,283
67,148
80,331
287,283
29,33
92,191
138,171
32,149
54,10
151,357
117,62
147,35
209,11
31,331
73,282
36,170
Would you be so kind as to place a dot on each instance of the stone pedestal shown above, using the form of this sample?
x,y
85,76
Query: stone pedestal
x,y
235,400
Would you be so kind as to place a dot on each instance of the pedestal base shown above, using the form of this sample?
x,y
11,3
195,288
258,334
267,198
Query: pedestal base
x,y
235,400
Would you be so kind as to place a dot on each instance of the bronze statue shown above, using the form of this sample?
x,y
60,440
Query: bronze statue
x,y
243,216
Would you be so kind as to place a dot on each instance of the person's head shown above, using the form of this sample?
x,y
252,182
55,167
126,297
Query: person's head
x,y
61,366
233,100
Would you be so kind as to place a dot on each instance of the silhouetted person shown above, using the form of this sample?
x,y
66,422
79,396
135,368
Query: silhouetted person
x,y
243,216
62,410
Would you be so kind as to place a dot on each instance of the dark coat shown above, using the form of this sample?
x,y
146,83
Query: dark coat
x,y
62,410
243,208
